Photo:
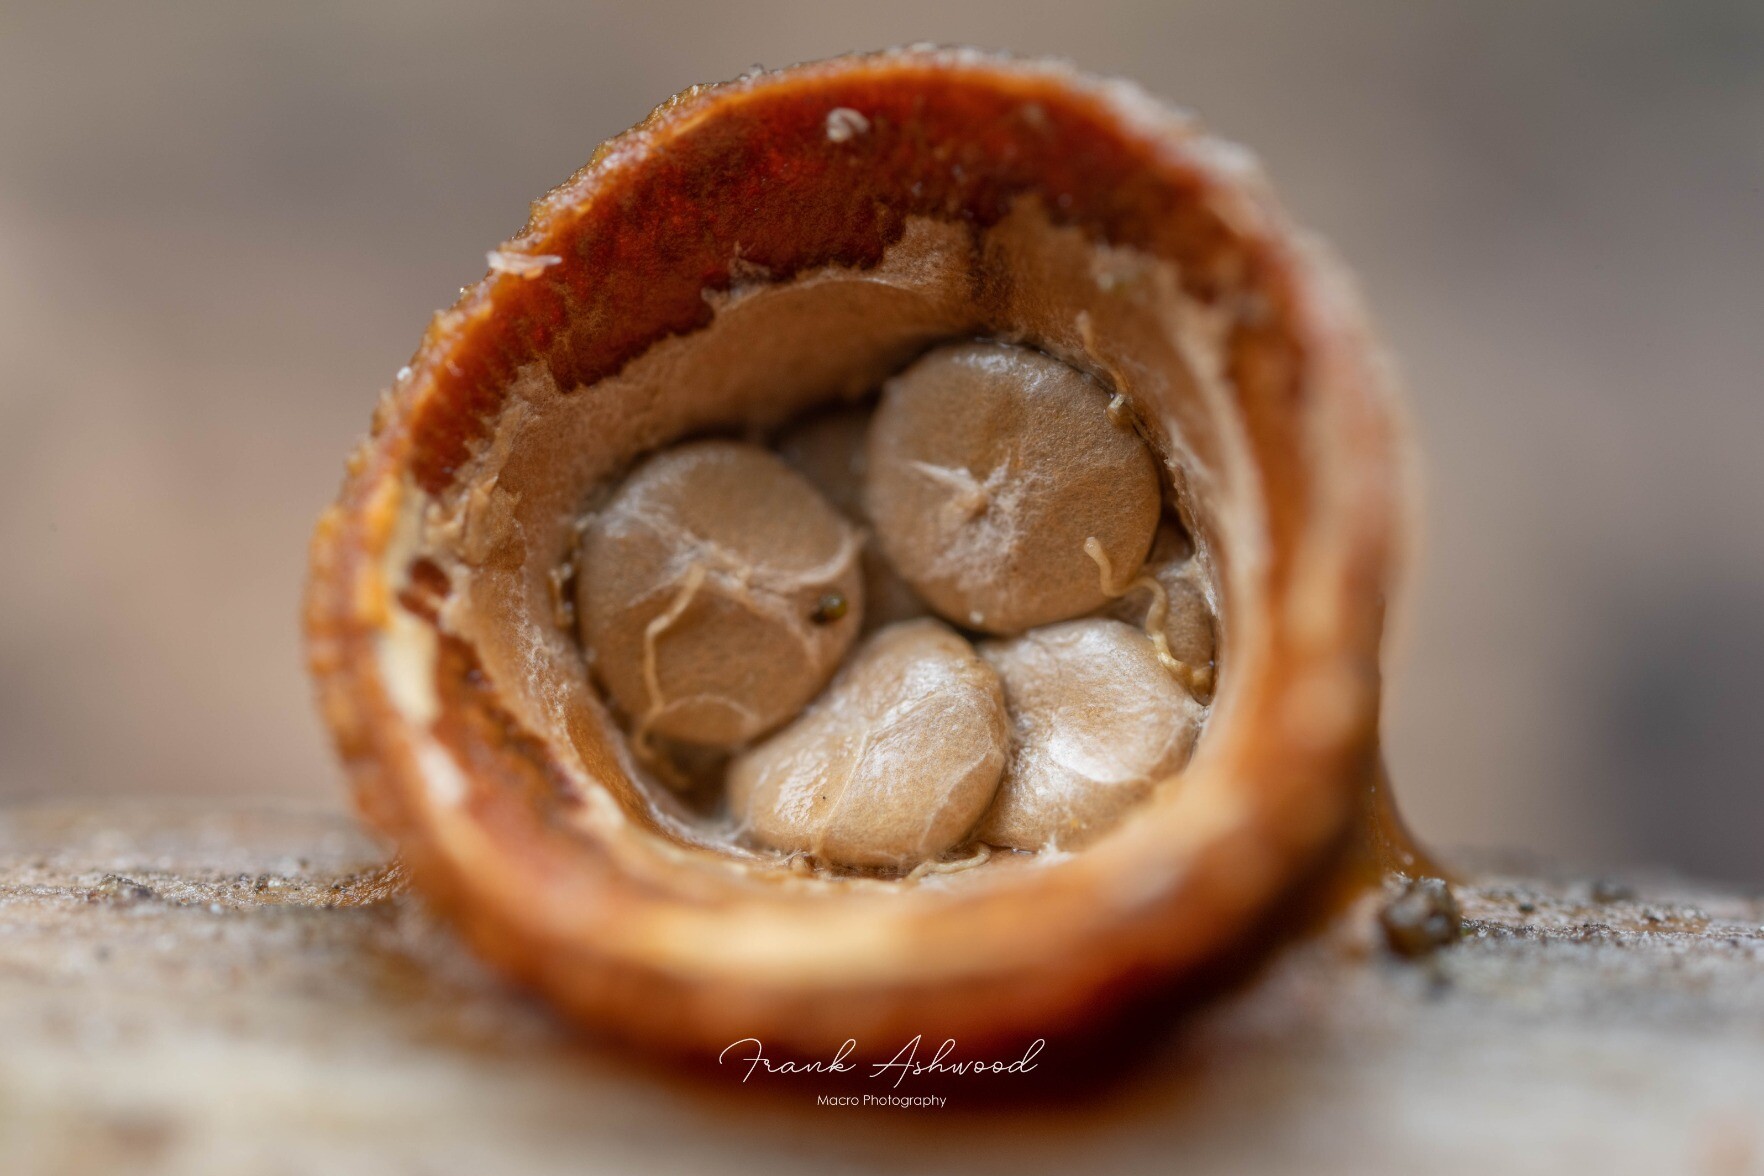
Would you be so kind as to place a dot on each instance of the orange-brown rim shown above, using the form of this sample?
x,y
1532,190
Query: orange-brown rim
x,y
655,219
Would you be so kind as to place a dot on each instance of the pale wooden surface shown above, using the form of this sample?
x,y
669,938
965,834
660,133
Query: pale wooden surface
x,y
249,992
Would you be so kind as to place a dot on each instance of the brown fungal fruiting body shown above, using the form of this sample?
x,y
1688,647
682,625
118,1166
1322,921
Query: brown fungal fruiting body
x,y
892,766
990,466
743,258
717,593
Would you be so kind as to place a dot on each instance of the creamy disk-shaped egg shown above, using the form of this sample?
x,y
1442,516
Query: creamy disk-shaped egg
x,y
829,450
892,765
718,592
990,466
1097,720
1177,607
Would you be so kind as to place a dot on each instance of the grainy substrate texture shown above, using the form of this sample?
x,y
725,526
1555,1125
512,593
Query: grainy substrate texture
x,y
251,991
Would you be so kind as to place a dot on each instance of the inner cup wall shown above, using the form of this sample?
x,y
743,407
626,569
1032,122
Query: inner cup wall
x,y
508,524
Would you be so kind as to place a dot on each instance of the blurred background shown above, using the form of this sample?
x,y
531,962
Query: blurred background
x,y
224,226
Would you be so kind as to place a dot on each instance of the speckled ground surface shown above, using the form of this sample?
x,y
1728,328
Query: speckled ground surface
x,y
251,991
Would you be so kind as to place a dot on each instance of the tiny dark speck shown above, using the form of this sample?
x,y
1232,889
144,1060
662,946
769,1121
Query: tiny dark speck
x,y
830,608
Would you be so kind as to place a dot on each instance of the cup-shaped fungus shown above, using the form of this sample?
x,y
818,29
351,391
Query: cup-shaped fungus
x,y
1081,315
